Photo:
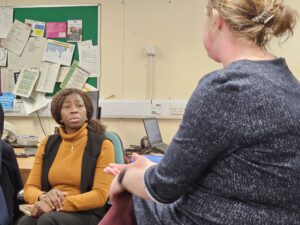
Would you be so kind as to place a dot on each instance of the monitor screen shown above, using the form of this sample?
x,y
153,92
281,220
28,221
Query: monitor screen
x,y
152,130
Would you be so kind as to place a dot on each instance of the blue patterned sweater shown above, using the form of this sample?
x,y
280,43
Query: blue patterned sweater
x,y
235,158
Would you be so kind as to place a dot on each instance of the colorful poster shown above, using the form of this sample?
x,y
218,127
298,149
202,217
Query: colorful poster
x,y
74,30
58,52
38,27
56,30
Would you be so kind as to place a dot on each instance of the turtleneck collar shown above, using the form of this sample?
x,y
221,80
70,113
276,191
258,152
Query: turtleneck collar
x,y
73,136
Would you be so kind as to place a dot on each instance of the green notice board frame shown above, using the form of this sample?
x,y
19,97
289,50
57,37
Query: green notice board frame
x,y
89,14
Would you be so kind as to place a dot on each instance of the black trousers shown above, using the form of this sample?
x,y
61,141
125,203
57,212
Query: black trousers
x,y
61,218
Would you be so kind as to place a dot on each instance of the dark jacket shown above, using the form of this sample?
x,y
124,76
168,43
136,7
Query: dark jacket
x,y
10,180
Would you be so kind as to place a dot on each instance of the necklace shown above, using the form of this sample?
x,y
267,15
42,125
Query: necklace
x,y
74,144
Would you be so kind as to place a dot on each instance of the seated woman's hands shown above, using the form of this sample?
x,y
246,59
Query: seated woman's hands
x,y
38,208
51,200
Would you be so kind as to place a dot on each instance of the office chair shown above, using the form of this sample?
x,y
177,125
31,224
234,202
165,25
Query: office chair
x,y
118,146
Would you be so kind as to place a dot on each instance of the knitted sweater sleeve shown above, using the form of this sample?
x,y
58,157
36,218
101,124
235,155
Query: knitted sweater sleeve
x,y
206,130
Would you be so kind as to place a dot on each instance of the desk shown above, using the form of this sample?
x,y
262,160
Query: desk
x,y
25,164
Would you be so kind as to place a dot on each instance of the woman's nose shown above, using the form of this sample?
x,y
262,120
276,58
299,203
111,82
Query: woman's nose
x,y
74,108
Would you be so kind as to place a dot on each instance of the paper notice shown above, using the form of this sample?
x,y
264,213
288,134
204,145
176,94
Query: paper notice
x,y
17,37
26,82
6,20
59,52
76,78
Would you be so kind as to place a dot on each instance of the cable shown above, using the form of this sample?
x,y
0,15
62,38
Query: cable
x,y
41,123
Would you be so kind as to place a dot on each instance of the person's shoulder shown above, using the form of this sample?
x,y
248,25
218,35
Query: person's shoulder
x,y
236,77
7,149
217,81
107,144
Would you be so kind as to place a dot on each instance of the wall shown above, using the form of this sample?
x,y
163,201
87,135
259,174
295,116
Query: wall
x,y
174,28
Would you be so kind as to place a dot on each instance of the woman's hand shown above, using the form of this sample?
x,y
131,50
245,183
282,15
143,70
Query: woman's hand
x,y
135,171
39,208
140,162
114,169
54,199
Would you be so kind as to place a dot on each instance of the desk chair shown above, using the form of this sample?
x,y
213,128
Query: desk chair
x,y
118,146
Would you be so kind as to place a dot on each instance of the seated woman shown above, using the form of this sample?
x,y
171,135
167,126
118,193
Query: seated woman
x,y
67,184
10,179
235,157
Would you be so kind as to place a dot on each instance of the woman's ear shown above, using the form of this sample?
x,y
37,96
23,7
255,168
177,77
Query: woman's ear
x,y
217,20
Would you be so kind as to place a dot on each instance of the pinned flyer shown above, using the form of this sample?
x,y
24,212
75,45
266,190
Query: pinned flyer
x,y
59,52
6,20
56,30
36,101
3,56
47,78
38,27
76,77
26,82
17,37
74,33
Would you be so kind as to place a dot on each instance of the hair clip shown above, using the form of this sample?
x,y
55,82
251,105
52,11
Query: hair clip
x,y
265,13
268,19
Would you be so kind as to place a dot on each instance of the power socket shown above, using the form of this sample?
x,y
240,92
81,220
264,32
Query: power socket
x,y
156,109
176,109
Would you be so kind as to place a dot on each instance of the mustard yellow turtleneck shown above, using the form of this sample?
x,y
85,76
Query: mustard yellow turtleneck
x,y
65,173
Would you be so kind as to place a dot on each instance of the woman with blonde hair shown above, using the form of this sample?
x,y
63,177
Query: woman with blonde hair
x,y
235,158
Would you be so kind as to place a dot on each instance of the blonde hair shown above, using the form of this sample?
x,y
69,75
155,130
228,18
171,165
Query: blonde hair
x,y
256,20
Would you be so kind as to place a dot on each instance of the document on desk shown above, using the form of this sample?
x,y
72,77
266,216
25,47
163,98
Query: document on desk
x,y
17,37
47,78
6,20
26,82
76,78
32,55
59,52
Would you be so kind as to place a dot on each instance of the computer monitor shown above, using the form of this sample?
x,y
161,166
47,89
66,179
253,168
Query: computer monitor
x,y
152,130
154,135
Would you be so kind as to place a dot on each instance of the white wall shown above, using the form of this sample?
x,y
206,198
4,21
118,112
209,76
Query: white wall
x,y
174,27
